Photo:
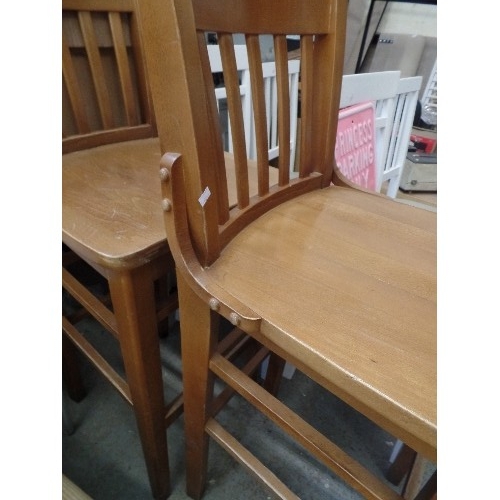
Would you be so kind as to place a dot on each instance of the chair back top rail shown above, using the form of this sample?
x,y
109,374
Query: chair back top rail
x,y
261,17
363,87
189,123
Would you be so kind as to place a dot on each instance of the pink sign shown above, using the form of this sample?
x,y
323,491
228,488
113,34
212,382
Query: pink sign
x,y
355,146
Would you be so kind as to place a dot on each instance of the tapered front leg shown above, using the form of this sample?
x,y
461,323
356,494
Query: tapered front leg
x,y
199,334
132,294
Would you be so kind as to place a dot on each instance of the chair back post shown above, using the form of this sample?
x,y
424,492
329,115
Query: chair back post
x,y
179,70
326,94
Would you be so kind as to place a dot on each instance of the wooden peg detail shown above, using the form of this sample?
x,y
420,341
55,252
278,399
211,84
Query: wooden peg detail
x,y
235,319
166,204
164,174
214,304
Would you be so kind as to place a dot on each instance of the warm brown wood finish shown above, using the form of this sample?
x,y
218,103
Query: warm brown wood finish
x,y
110,213
105,96
340,282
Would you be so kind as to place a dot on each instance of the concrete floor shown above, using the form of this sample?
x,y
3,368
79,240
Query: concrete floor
x,y
102,455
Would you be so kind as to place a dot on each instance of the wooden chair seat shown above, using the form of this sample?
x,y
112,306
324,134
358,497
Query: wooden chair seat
x,y
106,110
328,244
131,229
127,232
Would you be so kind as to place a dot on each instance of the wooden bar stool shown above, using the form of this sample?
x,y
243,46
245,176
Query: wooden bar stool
x,y
110,216
336,280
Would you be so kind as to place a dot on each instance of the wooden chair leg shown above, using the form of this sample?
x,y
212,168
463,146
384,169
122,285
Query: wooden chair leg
x,y
132,294
402,465
274,374
413,488
70,371
199,333
429,491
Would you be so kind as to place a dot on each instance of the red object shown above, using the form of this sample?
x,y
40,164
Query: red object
x,y
423,144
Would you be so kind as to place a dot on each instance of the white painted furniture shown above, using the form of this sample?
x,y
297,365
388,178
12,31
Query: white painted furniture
x,y
405,103
395,101
379,88
429,98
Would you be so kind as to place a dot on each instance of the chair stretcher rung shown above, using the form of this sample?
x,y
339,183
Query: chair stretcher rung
x,y
174,410
252,365
97,360
91,303
235,335
316,443
249,461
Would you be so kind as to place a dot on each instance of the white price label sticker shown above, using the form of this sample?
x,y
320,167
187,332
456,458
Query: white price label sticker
x,y
204,196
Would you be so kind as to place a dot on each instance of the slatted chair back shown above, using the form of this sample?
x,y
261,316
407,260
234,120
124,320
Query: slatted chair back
x,y
271,100
105,93
213,223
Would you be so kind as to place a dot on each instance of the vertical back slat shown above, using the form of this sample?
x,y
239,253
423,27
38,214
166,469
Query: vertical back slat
x,y
232,84
306,103
220,187
97,69
122,62
106,97
144,94
259,109
283,94
75,95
